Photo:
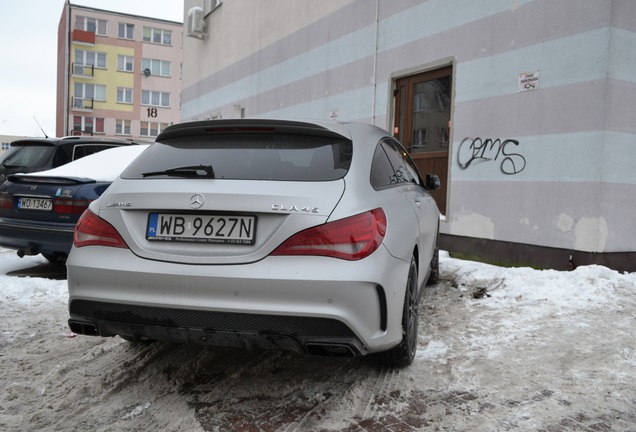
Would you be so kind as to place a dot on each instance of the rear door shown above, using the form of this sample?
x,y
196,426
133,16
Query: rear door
x,y
420,200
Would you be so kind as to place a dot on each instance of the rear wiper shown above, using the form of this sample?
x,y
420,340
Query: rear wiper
x,y
186,171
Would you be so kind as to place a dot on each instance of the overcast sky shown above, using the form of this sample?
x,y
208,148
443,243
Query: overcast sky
x,y
28,31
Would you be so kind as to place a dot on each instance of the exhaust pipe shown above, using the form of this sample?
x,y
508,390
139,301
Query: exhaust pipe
x,y
83,328
26,251
329,350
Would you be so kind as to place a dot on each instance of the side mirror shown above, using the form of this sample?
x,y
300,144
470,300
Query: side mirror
x,y
433,182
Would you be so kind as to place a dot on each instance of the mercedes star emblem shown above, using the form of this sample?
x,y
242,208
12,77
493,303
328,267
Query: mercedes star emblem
x,y
197,201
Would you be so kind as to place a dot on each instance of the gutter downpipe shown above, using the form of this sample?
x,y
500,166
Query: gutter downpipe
x,y
375,60
67,65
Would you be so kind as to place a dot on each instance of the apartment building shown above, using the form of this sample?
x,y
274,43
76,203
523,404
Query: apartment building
x,y
118,75
525,108
5,142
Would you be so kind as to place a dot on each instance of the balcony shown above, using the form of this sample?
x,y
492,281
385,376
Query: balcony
x,y
83,104
85,71
83,36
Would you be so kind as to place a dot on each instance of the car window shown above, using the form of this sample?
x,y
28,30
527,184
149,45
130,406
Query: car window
x,y
410,166
249,157
5,155
63,155
396,156
382,174
81,150
29,156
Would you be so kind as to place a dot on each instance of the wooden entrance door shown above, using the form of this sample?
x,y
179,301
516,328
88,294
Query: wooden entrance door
x,y
422,123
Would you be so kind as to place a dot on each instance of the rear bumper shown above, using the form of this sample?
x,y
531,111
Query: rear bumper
x,y
305,304
47,238
317,336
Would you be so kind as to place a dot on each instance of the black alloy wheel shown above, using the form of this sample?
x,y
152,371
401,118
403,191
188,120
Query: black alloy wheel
x,y
403,354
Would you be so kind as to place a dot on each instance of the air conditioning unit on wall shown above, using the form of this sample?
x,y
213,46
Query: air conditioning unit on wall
x,y
196,24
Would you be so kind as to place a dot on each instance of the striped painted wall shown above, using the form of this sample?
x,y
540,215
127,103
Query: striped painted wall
x,y
572,140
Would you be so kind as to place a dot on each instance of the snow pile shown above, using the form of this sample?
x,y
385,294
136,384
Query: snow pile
x,y
27,292
586,287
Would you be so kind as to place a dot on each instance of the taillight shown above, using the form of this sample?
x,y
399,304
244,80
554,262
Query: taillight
x,y
352,238
91,230
70,206
6,201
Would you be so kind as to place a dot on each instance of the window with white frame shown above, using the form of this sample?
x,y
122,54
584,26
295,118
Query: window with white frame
x,y
151,129
156,67
126,31
210,5
124,95
157,35
122,127
91,59
90,91
5,145
86,93
125,63
87,125
93,25
155,98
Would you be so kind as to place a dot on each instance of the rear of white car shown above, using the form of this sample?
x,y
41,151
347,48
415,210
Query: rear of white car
x,y
255,233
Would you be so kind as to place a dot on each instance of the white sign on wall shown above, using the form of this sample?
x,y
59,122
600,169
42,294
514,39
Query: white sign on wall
x,y
528,81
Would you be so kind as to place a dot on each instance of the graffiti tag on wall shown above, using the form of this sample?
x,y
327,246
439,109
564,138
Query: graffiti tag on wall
x,y
478,149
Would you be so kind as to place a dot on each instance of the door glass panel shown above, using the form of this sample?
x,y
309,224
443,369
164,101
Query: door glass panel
x,y
431,114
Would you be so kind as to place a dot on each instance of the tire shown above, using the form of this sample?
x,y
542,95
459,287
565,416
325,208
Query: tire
x,y
433,276
403,354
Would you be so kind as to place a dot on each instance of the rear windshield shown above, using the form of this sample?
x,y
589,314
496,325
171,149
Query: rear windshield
x,y
29,156
246,157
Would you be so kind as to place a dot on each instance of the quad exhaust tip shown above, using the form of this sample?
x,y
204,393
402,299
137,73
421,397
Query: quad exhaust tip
x,y
329,350
83,328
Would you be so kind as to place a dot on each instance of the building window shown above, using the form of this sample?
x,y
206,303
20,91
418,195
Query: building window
x,y
155,98
124,95
210,5
158,36
125,63
125,31
93,25
90,91
90,59
5,146
86,93
156,67
122,127
87,125
152,129
239,111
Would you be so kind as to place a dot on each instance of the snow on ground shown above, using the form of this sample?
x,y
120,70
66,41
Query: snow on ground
x,y
500,350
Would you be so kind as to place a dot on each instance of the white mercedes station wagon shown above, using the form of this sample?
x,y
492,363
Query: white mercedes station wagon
x,y
311,236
